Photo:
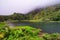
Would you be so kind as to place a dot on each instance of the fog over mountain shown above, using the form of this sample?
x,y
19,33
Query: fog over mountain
x,y
8,7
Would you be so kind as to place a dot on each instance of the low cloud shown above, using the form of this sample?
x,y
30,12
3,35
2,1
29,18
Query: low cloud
x,y
8,7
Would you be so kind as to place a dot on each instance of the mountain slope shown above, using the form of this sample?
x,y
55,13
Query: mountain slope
x,y
50,13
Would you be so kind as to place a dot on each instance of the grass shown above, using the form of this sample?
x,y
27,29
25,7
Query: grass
x,y
40,20
2,24
19,33
25,33
31,21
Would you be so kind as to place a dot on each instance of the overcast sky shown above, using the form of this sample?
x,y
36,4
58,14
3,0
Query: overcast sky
x,y
8,7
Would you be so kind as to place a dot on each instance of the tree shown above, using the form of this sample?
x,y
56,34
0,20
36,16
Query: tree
x,y
1,19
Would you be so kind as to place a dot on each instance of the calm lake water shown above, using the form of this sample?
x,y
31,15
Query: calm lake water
x,y
49,27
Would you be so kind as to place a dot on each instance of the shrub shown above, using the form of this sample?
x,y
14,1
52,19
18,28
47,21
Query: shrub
x,y
19,33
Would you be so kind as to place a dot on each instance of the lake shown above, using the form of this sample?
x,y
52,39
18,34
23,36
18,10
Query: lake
x,y
49,27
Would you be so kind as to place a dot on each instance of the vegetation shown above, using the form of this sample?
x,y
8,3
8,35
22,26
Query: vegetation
x,y
25,33
19,33
2,24
51,13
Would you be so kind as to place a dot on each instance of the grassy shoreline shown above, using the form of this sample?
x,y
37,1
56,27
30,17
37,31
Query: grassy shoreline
x,y
37,21
26,33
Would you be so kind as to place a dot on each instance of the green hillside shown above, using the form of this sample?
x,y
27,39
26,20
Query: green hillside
x,y
51,13
48,13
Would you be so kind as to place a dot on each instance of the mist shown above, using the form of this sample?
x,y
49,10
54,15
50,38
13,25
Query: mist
x,y
8,7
